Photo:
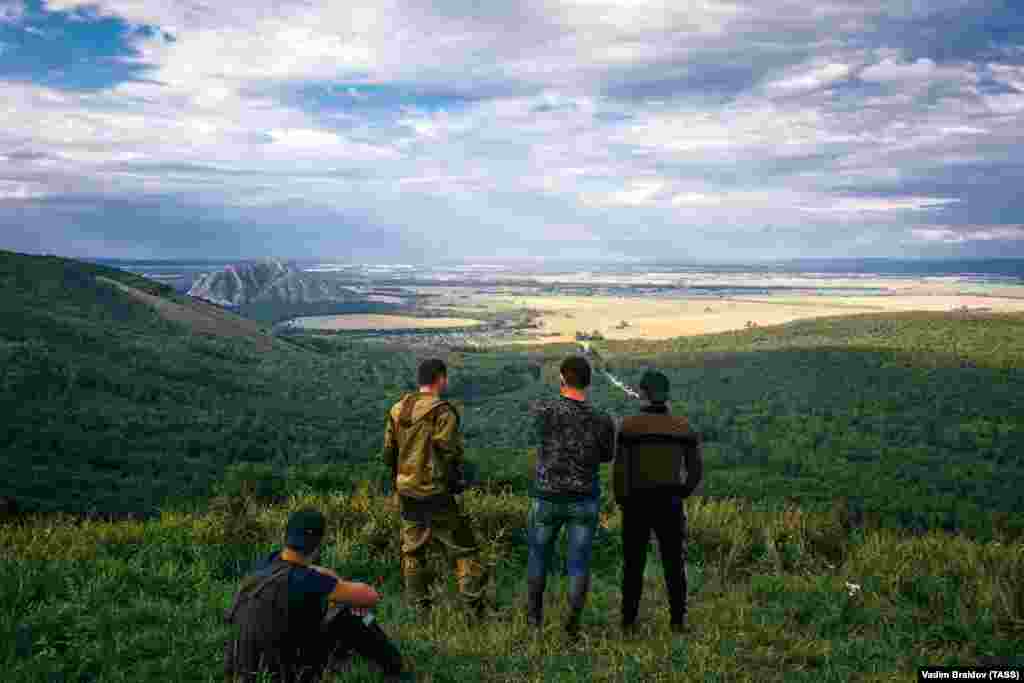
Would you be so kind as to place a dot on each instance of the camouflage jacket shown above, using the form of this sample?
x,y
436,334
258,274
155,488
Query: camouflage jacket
x,y
423,446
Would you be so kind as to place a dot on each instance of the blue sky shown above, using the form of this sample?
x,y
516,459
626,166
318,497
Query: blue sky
x,y
417,130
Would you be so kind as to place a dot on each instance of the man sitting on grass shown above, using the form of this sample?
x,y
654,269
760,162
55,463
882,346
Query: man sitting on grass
x,y
284,625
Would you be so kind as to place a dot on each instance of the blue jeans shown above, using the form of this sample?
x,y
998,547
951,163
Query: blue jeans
x,y
546,520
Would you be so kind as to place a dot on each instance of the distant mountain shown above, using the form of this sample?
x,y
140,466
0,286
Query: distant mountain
x,y
269,281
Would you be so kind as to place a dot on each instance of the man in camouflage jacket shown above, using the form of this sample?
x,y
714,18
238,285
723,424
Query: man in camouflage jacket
x,y
423,447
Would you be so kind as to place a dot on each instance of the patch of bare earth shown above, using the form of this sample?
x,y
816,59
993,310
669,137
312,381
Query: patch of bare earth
x,y
202,317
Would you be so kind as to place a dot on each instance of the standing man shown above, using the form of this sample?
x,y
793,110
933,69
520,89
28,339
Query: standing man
x,y
423,447
573,439
656,451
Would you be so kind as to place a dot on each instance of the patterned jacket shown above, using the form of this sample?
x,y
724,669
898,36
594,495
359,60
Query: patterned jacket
x,y
573,438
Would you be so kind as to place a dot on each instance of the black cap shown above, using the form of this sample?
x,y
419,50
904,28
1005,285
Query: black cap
x,y
305,530
655,385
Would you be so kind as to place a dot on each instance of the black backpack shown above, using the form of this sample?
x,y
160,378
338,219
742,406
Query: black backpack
x,y
265,640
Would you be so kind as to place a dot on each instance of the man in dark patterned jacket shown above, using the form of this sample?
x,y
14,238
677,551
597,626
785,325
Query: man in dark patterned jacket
x,y
573,439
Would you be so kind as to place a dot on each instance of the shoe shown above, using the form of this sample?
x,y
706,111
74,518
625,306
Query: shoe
x,y
339,663
681,626
572,627
535,603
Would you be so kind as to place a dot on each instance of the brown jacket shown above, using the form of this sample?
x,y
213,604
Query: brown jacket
x,y
656,452
423,445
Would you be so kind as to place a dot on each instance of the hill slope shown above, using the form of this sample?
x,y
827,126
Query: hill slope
x,y
110,406
114,396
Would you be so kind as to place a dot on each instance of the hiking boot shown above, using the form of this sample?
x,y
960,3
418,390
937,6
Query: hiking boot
x,y
681,625
535,603
572,625
578,588
422,607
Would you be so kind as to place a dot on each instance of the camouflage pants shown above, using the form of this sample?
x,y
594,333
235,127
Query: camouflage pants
x,y
447,530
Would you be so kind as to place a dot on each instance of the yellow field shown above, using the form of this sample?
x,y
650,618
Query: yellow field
x,y
662,318
379,322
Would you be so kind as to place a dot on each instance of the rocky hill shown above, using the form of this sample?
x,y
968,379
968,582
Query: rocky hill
x,y
268,281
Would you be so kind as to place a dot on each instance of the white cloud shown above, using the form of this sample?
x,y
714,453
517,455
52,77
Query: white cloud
x,y
871,204
1008,74
813,78
11,12
20,190
891,71
969,233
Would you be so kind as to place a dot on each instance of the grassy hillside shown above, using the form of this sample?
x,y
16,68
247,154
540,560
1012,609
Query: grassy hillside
x,y
774,596
831,445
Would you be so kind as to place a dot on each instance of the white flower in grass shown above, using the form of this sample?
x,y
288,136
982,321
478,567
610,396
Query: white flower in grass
x,y
852,588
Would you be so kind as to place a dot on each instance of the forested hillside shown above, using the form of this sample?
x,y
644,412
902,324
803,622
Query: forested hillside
x,y
916,419
109,407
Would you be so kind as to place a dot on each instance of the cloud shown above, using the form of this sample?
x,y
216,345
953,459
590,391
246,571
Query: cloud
x,y
891,71
788,128
807,79
11,12
969,233
875,204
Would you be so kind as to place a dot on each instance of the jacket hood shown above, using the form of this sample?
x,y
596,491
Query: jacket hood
x,y
424,404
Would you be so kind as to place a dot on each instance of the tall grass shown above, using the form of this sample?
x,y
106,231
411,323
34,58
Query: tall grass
x,y
775,594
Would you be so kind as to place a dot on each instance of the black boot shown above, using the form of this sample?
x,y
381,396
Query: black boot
x,y
578,588
535,602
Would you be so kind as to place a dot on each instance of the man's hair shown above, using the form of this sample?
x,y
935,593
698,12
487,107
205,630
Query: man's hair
x,y
576,371
431,370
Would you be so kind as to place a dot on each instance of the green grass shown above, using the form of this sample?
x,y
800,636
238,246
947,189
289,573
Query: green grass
x,y
130,601
912,424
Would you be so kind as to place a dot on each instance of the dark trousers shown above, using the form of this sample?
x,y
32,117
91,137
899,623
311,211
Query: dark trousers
x,y
664,516
343,634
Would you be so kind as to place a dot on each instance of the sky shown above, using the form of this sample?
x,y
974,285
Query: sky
x,y
413,131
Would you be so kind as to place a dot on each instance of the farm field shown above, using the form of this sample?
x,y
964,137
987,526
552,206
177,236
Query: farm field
x,y
379,322
658,318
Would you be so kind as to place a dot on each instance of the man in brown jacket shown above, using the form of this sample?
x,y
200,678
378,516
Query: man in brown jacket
x,y
423,447
658,463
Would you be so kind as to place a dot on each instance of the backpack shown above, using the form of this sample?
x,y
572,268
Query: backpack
x,y
262,613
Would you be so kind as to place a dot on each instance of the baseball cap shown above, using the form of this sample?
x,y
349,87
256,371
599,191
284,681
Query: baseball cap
x,y
305,530
655,385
